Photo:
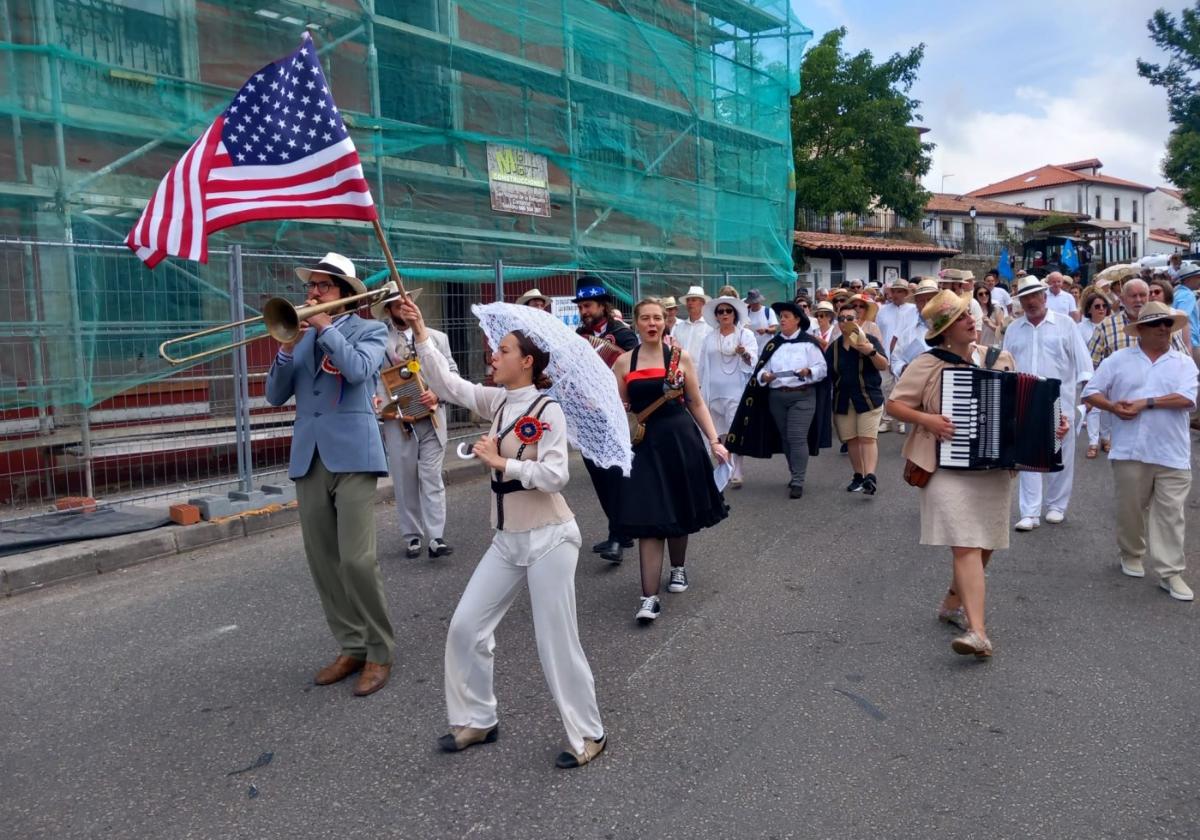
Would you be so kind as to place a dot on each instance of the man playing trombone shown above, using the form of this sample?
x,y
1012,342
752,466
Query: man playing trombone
x,y
416,446
336,459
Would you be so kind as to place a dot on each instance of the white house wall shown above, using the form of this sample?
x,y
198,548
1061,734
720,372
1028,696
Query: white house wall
x,y
1166,212
1067,199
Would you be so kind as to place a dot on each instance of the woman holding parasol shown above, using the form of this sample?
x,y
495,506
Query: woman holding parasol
x,y
536,540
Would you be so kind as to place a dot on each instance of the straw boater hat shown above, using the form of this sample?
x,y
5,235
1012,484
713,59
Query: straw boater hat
x,y
899,283
927,286
955,275
669,302
825,306
533,294
335,265
942,311
1154,312
836,293
1029,285
710,310
872,306
694,291
379,308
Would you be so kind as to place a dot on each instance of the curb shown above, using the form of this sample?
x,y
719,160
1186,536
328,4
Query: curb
x,y
35,570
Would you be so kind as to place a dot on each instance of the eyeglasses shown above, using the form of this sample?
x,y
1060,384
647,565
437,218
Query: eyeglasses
x,y
724,311
320,286
844,318
1099,305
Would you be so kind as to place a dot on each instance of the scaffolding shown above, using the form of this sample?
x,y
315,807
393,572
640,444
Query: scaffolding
x,y
664,126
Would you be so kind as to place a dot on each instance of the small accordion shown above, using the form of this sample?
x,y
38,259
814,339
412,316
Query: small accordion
x,y
404,388
1002,420
608,351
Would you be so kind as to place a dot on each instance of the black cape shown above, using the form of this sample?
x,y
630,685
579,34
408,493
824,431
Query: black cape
x,y
754,432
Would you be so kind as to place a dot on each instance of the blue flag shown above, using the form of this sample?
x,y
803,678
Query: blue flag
x,y
1005,268
1070,259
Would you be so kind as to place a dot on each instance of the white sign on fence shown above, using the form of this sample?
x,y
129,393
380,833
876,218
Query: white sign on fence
x,y
565,311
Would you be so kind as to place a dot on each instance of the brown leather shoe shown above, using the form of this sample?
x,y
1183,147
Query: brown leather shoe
x,y
338,670
373,678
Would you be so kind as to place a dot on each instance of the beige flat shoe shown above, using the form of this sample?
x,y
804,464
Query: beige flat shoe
x,y
461,737
972,643
568,760
1092,452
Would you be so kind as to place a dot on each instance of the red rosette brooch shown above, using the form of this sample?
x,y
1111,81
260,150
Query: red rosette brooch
x,y
328,367
529,429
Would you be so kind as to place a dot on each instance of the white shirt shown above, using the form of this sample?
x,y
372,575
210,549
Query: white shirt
x,y
791,357
1157,435
909,345
1054,349
689,336
895,321
764,317
723,374
1063,302
1002,299
977,314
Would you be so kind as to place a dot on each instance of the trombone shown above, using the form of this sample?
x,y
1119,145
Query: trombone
x,y
281,317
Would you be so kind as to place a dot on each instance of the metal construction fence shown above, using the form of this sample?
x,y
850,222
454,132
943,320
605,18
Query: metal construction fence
x,y
87,407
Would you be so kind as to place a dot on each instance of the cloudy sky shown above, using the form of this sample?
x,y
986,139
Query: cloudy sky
x,y
1009,86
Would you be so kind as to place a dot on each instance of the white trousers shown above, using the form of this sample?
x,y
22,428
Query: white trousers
x,y
545,559
1056,486
415,462
723,412
1099,425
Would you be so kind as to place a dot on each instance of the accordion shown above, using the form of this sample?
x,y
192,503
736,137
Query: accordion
x,y
608,351
1002,420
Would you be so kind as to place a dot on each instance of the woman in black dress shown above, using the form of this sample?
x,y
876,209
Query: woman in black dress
x,y
670,492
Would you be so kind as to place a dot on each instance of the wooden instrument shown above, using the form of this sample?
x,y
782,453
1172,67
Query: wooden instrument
x,y
404,389
608,351
1002,420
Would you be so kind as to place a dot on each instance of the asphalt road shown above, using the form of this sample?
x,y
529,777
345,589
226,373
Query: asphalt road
x,y
801,688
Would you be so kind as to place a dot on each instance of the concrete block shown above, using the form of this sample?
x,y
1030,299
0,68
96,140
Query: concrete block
x,y
207,533
255,498
185,514
280,493
213,507
277,518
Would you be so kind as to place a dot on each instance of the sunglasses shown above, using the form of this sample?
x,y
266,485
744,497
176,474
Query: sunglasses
x,y
1156,324
844,318
824,314
1099,305
724,311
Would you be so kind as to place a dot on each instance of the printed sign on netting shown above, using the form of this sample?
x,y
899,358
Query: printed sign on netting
x,y
518,180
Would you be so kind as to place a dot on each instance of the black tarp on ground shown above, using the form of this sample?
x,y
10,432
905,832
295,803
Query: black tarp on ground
x,y
72,526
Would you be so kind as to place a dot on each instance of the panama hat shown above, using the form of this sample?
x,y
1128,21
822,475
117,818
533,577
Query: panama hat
x,y
335,265
694,291
710,310
1029,285
872,306
942,311
899,283
824,306
955,275
379,308
669,302
1154,312
533,294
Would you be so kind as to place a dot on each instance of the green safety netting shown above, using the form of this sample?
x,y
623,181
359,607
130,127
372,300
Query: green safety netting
x,y
665,127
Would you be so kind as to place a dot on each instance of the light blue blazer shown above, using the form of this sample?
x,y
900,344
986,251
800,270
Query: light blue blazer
x,y
334,413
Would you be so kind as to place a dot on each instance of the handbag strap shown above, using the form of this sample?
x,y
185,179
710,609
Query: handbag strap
x,y
989,359
667,396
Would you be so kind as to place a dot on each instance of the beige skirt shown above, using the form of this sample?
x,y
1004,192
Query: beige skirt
x,y
966,508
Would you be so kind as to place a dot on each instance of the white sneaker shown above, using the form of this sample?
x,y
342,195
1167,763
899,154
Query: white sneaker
x,y
1027,523
1054,517
649,609
1175,586
1133,568
885,426
902,428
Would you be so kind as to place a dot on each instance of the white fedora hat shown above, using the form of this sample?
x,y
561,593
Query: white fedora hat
x,y
739,306
335,265
533,294
694,291
1030,284
379,308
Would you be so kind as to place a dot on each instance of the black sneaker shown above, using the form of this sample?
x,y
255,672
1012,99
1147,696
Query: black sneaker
x,y
855,484
679,581
414,548
438,548
868,484
649,609
795,492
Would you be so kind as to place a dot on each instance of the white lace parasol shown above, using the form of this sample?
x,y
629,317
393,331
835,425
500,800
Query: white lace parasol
x,y
583,385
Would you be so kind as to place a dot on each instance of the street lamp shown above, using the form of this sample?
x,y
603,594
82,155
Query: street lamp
x,y
971,212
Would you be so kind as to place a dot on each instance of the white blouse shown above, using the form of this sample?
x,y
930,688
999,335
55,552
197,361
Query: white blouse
x,y
722,373
791,357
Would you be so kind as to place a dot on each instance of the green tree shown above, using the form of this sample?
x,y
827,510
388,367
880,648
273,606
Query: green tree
x,y
1180,39
853,132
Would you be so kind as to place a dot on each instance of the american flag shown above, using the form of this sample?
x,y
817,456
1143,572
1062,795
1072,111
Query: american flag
x,y
279,151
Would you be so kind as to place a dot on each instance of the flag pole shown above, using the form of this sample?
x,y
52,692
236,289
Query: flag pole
x,y
387,253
